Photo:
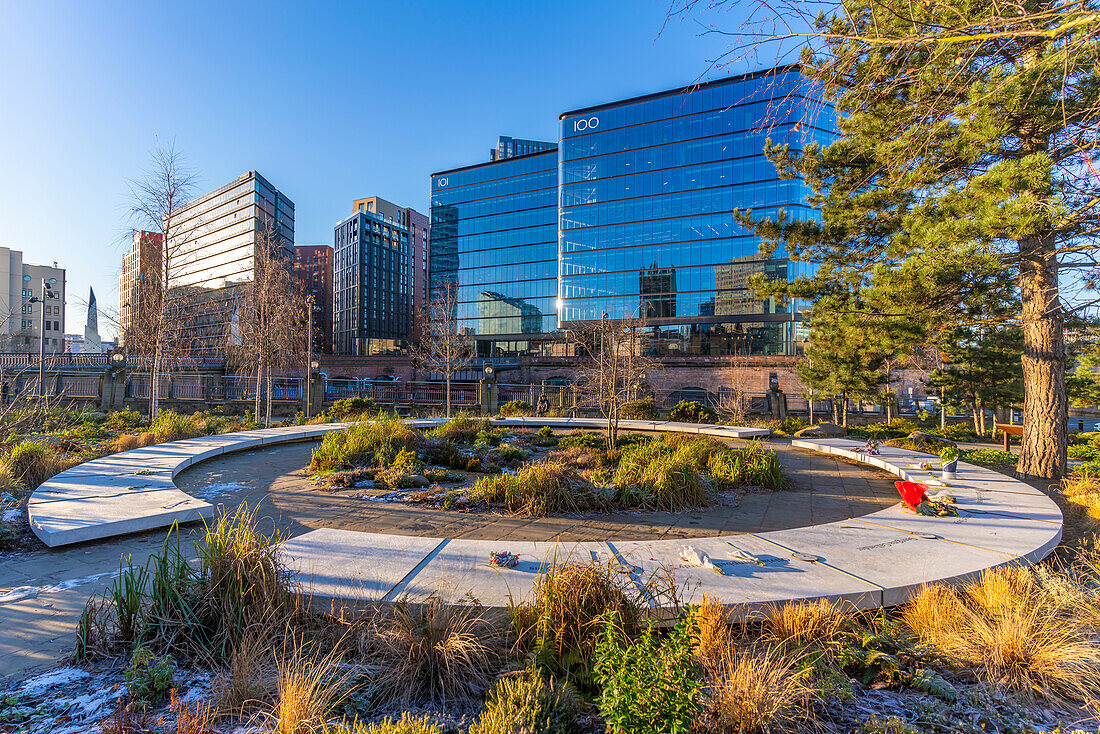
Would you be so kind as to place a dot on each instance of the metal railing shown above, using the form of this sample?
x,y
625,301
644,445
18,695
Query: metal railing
x,y
212,388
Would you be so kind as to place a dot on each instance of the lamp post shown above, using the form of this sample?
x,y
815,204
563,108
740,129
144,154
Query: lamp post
x,y
47,293
312,365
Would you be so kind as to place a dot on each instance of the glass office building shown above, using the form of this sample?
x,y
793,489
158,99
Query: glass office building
x,y
648,187
494,234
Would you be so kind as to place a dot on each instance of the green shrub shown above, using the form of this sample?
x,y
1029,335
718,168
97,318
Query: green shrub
x,y
989,457
949,453
642,410
407,461
1084,452
789,426
560,626
649,685
407,724
692,412
377,442
753,465
528,704
955,432
545,432
461,429
513,453
516,407
352,409
149,676
487,437
29,462
539,488
584,440
124,421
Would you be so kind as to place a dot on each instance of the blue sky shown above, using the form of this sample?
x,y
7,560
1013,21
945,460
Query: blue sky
x,y
329,101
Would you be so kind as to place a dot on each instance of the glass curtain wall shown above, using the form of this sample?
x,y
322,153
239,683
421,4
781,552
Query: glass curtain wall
x,y
648,188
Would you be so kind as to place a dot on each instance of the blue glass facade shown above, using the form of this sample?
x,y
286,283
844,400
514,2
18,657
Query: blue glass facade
x,y
648,187
494,233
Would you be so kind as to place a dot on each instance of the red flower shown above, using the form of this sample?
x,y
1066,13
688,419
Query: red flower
x,y
912,493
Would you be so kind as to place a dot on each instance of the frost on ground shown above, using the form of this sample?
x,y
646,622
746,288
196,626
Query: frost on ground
x,y
71,700
19,593
214,490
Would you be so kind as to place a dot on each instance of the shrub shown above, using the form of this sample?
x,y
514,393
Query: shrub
x,y
30,462
242,578
955,432
788,426
989,457
435,652
515,407
584,440
461,429
1084,489
692,412
352,409
487,437
528,703
407,724
648,684
124,421
545,432
149,676
1014,632
1084,452
753,465
755,690
309,688
643,410
376,442
244,685
171,426
539,488
561,624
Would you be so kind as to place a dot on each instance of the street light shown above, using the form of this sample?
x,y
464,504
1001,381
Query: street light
x,y
47,293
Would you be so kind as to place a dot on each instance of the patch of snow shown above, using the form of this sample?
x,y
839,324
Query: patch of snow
x,y
19,593
213,490
12,515
52,678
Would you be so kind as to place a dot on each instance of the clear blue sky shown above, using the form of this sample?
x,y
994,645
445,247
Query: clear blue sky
x,y
330,102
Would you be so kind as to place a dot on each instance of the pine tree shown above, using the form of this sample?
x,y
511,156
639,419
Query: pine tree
x,y
967,132
982,369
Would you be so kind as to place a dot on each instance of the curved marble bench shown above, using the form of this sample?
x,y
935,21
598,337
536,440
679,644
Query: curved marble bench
x,y
134,490
880,559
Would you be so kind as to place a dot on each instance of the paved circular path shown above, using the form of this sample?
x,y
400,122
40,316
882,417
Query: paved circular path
x,y
822,489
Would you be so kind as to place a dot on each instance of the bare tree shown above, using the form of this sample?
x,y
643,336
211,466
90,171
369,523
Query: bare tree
x,y
157,201
615,371
731,397
443,345
267,331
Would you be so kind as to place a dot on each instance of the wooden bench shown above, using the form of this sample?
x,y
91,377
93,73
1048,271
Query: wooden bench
x,y
1009,429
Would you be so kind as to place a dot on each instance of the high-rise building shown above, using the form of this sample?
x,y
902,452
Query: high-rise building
x,y
372,284
419,227
494,235
313,270
647,193
511,147
139,281
22,322
210,255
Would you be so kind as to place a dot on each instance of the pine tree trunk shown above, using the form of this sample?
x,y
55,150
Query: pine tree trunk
x,y
1044,443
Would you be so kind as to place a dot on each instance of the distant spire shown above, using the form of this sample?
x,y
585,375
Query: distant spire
x,y
92,343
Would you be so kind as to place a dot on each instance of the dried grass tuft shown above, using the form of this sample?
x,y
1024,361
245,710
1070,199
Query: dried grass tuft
x,y
755,691
435,652
714,629
309,688
803,625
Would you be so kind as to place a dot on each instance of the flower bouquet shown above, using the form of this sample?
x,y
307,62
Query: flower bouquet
x,y
503,559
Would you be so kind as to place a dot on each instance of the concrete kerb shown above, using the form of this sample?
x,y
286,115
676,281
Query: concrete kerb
x,y
869,561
